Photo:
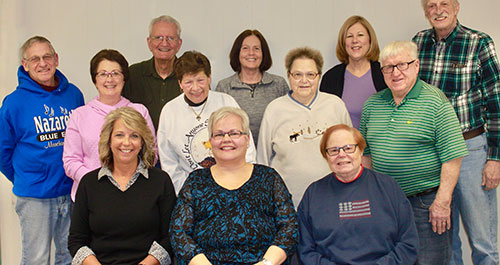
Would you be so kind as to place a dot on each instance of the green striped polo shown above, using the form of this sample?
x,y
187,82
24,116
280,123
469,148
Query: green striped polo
x,y
411,141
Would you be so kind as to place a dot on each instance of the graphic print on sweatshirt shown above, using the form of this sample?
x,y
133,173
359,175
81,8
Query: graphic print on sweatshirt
x,y
51,125
307,131
197,148
354,209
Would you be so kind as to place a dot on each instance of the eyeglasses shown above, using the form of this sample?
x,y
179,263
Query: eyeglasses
x,y
159,39
36,59
299,76
348,149
235,134
401,67
114,74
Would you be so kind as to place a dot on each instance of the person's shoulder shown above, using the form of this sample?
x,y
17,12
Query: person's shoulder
x,y
336,70
273,77
90,178
475,34
423,34
224,85
329,98
277,102
433,92
139,65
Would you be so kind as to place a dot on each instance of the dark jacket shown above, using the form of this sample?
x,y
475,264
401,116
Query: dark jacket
x,y
333,80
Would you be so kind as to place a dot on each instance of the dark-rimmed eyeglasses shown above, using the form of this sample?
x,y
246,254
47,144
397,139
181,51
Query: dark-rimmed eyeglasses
x,y
235,134
348,148
401,67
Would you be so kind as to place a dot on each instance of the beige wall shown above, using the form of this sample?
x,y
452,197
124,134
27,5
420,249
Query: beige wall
x,y
78,29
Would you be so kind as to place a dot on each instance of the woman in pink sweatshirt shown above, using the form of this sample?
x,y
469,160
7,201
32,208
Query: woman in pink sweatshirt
x,y
109,72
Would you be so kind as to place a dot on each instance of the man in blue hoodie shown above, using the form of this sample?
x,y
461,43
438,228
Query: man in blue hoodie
x,y
33,121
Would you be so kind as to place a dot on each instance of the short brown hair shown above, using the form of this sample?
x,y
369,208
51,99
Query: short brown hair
x,y
191,62
358,138
373,51
234,55
31,41
110,55
304,52
133,120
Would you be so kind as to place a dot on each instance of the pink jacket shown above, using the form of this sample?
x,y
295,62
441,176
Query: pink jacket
x,y
81,143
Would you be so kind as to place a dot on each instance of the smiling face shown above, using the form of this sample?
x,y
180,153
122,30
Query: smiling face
x,y
345,166
303,89
164,49
442,14
40,62
125,144
229,149
357,42
250,53
401,82
195,86
109,86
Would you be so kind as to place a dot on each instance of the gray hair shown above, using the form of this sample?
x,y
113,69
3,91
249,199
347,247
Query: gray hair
x,y
27,44
167,19
396,47
424,3
226,111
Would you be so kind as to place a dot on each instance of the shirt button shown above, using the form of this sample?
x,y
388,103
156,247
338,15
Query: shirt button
x,y
392,119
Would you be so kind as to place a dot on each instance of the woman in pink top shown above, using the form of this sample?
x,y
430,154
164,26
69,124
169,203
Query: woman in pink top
x,y
109,72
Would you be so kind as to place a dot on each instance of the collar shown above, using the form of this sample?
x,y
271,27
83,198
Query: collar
x,y
414,92
346,182
236,82
141,170
150,70
448,39
296,101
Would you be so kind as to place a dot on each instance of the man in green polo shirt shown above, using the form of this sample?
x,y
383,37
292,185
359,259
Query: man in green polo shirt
x,y
152,82
413,135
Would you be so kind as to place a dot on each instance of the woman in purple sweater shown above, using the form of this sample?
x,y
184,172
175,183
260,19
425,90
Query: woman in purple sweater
x,y
109,72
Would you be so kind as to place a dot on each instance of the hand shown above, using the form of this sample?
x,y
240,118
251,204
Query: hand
x,y
91,260
149,260
491,174
439,216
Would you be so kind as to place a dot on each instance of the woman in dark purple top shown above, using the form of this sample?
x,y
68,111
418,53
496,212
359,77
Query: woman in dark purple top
x,y
358,76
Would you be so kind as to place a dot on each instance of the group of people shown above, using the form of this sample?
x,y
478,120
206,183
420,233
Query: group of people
x,y
374,164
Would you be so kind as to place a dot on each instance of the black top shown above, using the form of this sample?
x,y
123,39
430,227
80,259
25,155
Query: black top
x,y
120,226
333,80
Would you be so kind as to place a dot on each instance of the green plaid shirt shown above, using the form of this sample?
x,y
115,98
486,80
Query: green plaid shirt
x,y
464,65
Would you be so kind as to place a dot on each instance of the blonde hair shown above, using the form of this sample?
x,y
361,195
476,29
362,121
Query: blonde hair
x,y
396,47
226,111
133,120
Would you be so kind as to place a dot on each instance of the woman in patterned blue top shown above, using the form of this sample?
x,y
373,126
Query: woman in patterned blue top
x,y
234,212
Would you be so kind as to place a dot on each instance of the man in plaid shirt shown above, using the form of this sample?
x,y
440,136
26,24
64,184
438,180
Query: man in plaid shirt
x,y
462,62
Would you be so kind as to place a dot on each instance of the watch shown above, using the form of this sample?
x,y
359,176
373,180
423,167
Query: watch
x,y
266,262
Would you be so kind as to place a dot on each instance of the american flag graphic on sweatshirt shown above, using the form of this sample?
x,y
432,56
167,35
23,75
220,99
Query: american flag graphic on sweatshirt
x,y
354,209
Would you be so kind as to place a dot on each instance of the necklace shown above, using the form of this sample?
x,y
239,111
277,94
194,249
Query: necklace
x,y
198,115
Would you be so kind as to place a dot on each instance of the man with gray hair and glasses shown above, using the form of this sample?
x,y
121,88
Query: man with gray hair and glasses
x,y
33,121
413,135
152,82
462,62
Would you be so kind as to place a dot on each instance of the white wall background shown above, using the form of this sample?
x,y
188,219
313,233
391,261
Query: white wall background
x,y
79,29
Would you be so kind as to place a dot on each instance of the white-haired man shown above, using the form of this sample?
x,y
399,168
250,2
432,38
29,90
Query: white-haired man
x,y
152,82
462,62
413,135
